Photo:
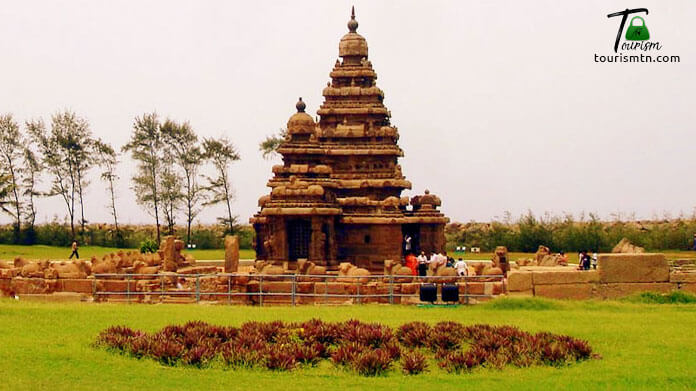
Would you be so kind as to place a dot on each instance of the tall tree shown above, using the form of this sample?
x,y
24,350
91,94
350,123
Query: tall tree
x,y
108,161
269,146
31,172
183,144
10,166
65,155
146,147
5,191
171,194
221,153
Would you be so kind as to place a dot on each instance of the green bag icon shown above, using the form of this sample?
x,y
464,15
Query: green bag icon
x,y
637,33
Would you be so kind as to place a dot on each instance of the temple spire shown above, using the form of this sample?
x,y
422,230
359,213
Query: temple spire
x,y
300,106
352,23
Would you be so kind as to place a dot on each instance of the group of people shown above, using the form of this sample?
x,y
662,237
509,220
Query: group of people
x,y
585,260
419,265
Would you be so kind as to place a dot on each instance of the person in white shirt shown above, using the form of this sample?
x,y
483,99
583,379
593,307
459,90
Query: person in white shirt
x,y
594,260
422,264
462,267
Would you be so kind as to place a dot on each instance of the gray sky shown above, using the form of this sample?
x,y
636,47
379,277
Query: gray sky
x,y
500,105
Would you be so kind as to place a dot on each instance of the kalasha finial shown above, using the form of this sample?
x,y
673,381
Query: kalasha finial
x,y
352,23
427,191
300,106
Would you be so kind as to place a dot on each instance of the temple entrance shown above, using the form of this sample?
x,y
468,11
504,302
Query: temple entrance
x,y
299,236
411,231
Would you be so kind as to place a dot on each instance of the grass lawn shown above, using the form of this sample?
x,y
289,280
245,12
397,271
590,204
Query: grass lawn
x,y
9,252
644,347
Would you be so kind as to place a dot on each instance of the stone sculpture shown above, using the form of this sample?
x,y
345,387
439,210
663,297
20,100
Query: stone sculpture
x,y
347,272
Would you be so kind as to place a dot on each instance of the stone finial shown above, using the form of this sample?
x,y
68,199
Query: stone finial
x,y
427,191
300,106
352,23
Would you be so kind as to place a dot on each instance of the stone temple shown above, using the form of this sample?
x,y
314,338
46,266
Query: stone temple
x,y
337,195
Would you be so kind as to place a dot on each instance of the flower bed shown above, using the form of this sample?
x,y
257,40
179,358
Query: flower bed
x,y
367,348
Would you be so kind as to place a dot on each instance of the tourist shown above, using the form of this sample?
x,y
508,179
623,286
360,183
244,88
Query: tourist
x,y
412,263
422,264
450,262
462,268
407,243
74,250
694,242
595,257
581,258
562,259
586,260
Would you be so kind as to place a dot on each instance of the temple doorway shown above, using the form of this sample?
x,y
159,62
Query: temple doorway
x,y
299,236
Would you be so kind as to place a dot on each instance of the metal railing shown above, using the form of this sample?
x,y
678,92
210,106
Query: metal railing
x,y
250,288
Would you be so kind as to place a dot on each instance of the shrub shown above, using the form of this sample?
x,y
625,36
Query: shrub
x,y
460,361
413,362
148,246
345,354
280,359
370,349
414,334
308,354
372,362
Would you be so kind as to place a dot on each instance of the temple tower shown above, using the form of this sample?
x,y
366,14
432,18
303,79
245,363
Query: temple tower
x,y
337,196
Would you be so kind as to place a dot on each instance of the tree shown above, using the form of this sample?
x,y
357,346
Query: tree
x,y
183,144
32,170
270,145
11,156
221,153
5,190
171,195
146,147
65,155
108,160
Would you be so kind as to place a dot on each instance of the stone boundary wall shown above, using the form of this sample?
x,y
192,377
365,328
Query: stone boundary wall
x,y
617,275
169,289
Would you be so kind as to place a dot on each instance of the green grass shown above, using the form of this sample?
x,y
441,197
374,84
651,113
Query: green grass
x,y
675,297
10,251
644,347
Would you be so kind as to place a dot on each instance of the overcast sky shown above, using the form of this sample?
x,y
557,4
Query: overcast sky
x,y
500,105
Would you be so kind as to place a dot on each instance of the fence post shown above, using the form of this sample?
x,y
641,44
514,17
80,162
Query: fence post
x,y
229,290
391,289
358,292
466,289
198,288
326,289
294,288
161,298
94,289
261,290
128,288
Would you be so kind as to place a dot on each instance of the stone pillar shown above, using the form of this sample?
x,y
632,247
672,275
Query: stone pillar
x,y
316,251
168,254
231,253
331,239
